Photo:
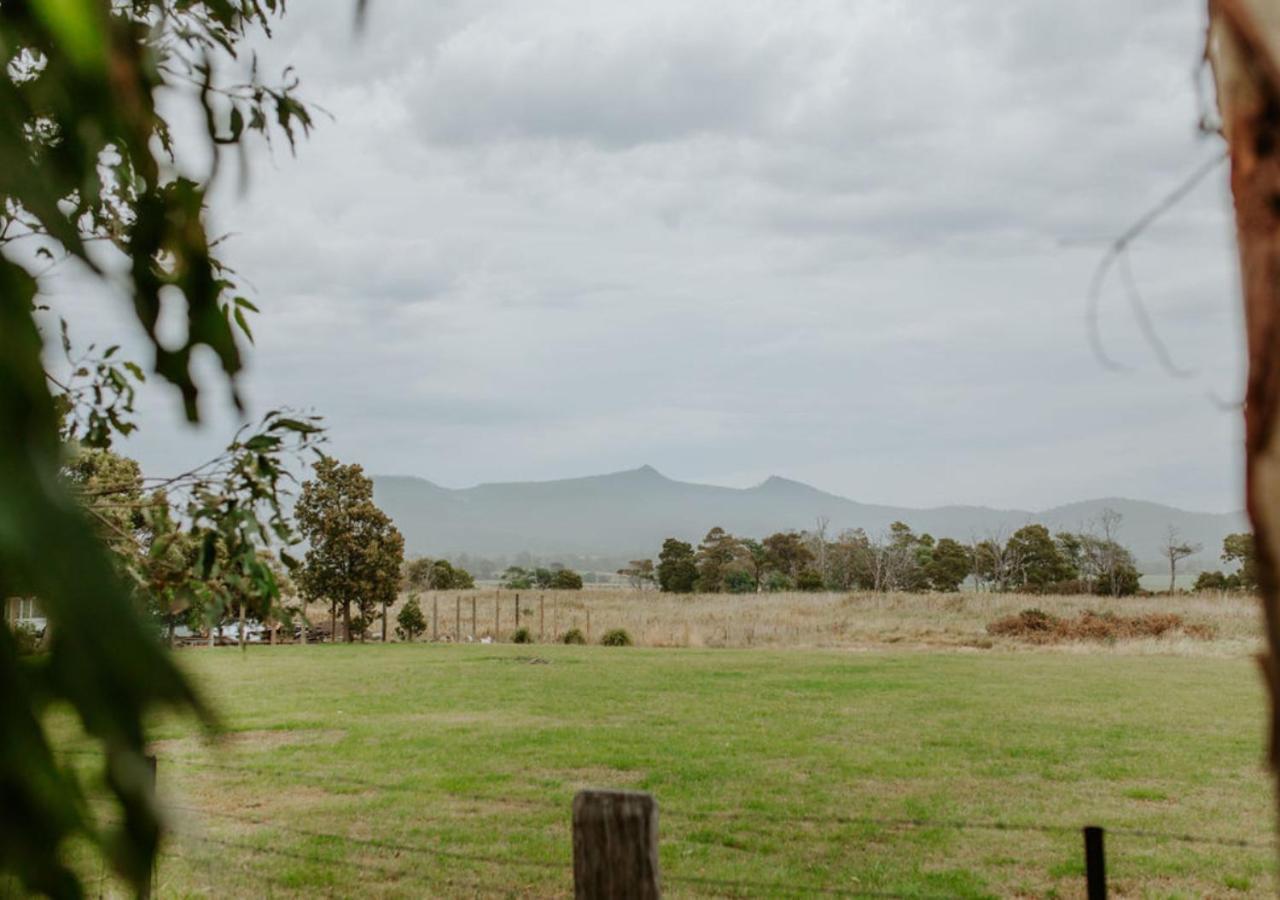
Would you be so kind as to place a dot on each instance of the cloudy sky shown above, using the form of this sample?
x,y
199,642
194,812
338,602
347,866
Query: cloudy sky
x,y
848,243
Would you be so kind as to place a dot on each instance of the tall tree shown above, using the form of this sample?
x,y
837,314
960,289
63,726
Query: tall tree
x,y
1176,549
639,573
356,553
948,565
677,567
715,558
1241,549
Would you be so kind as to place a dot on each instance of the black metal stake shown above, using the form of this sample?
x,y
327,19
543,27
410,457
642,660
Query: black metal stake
x,y
1095,863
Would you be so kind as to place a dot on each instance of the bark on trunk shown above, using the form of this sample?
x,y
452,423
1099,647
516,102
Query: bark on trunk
x,y
242,625
1243,45
346,621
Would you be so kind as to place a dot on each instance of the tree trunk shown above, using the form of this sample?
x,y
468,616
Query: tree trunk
x,y
1173,574
304,624
384,623
1244,37
346,621
171,631
242,626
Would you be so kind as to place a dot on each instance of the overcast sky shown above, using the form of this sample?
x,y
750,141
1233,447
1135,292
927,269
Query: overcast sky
x,y
847,243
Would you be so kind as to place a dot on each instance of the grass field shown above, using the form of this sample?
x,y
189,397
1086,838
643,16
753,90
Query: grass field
x,y
415,770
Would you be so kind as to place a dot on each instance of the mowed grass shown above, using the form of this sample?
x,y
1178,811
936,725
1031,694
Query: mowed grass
x,y
447,770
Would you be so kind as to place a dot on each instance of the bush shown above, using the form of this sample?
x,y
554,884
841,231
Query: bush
x,y
616,637
739,582
1039,627
809,580
566,580
410,623
522,636
573,636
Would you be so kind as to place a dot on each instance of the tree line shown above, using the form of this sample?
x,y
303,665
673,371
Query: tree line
x,y
1030,560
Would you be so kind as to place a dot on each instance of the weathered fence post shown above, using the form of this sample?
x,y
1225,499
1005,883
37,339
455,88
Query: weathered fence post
x,y
588,625
517,610
144,889
1095,864
457,621
474,634
615,846
497,616
542,619
435,618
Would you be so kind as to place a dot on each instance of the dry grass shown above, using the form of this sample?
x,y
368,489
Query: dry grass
x,y
1212,624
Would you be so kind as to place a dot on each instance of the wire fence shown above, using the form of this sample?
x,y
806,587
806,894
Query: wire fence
x,y
553,806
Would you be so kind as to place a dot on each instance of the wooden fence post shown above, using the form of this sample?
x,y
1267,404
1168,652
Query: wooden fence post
x,y
435,618
1095,864
144,889
517,610
497,616
542,620
457,621
588,625
615,846
475,635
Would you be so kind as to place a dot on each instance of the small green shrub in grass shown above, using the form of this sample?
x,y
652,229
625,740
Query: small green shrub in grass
x,y
573,636
616,637
522,636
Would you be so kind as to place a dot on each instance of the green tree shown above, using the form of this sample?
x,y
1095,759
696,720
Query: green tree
x,y
785,552
1241,550
410,622
417,573
677,567
517,578
715,559
355,553
948,566
86,158
1036,561
566,580
639,572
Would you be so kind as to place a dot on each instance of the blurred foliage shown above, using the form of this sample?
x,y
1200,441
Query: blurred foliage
x,y
89,173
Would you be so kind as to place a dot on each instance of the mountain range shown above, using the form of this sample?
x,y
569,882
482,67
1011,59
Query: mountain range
x,y
625,515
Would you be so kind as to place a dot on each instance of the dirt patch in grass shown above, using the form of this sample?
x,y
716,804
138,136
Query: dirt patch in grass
x,y
252,740
1039,627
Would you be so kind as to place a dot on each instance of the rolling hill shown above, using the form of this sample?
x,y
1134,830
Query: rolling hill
x,y
625,515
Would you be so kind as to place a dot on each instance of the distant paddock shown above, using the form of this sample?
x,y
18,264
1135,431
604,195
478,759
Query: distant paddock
x,y
852,620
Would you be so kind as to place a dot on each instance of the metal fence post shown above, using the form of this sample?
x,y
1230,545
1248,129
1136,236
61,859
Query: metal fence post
x,y
1095,864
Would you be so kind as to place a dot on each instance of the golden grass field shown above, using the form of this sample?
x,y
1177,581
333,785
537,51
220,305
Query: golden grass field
x,y
818,620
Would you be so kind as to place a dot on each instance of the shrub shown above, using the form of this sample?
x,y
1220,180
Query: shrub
x,y
616,637
739,582
522,636
566,580
410,623
809,580
573,636
1039,627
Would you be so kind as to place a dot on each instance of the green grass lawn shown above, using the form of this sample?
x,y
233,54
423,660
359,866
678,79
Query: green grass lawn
x,y
412,770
